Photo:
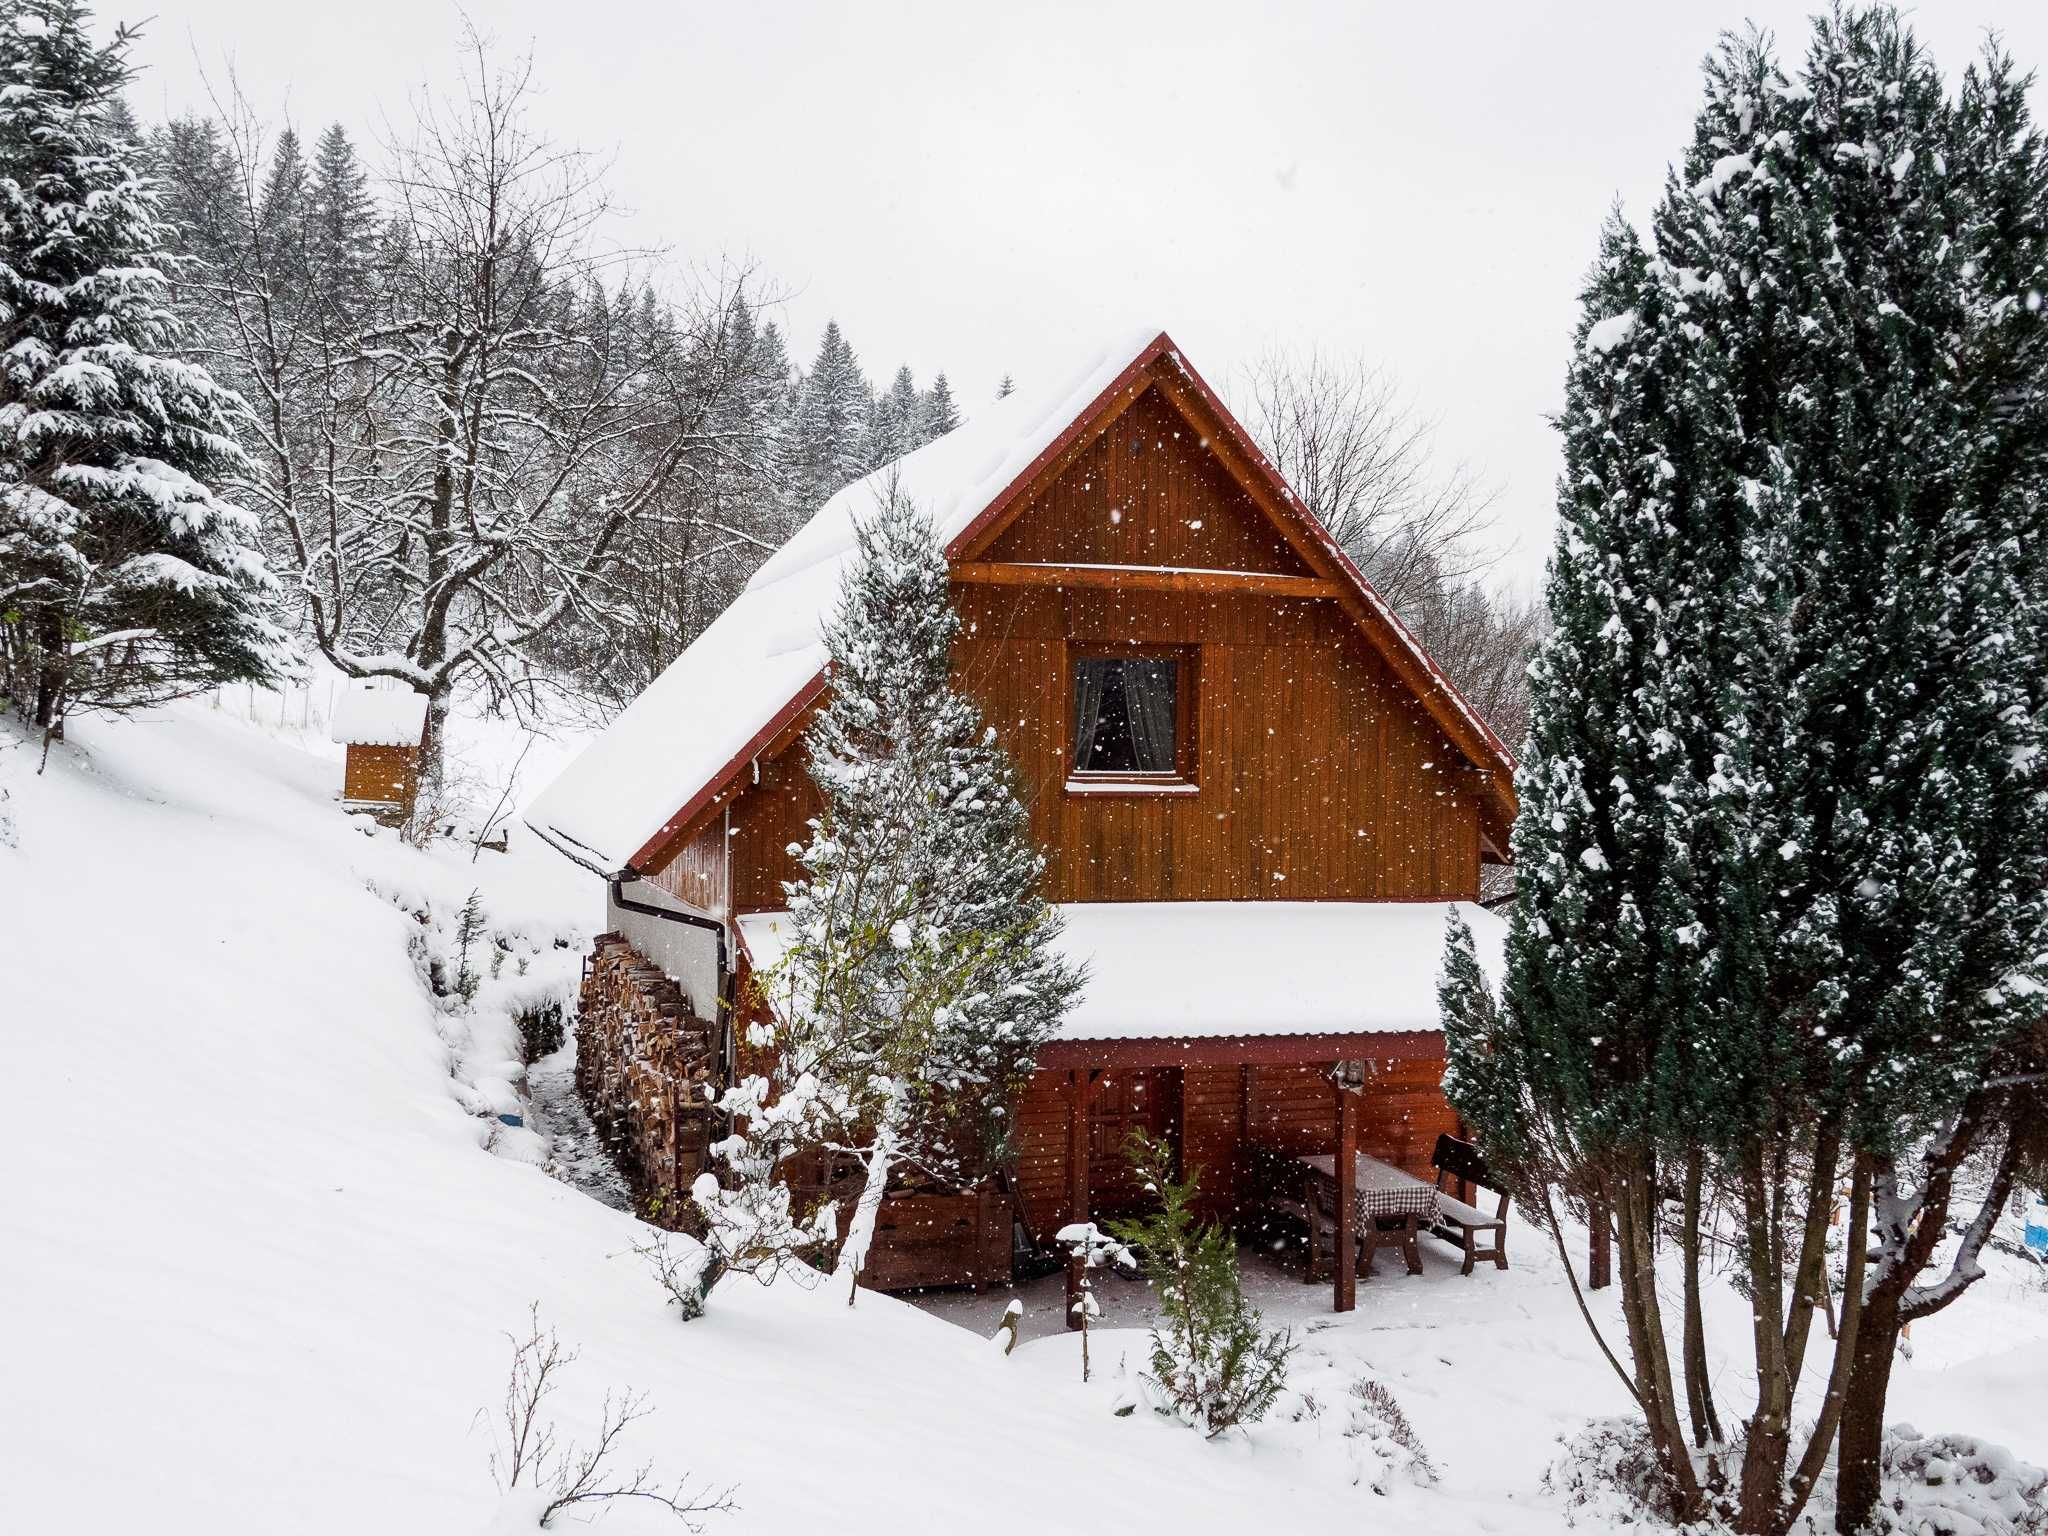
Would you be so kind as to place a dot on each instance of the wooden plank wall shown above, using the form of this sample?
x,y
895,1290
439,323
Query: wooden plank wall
x,y
1320,777
381,773
1292,1108
697,873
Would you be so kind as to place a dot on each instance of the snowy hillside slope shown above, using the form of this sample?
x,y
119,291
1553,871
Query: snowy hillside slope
x,y
257,1268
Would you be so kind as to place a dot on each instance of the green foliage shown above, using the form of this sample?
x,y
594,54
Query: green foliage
x,y
1213,1365
469,928
541,1029
126,577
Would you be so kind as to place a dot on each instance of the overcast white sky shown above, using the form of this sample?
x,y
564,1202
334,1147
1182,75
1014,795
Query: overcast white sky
x,y
989,188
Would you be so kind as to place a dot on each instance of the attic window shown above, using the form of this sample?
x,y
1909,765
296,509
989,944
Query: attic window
x,y
1133,721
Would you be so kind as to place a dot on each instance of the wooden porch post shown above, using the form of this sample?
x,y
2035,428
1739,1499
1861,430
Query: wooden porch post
x,y
1080,1093
1347,1192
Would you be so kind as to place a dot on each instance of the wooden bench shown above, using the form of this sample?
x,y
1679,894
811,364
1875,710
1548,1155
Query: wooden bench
x,y
1465,1224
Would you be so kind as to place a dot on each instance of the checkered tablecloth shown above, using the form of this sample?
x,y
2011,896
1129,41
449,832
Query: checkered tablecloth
x,y
1382,1189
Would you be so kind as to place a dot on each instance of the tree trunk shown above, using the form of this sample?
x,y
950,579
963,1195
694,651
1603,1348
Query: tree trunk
x,y
1769,1438
1859,1477
860,1227
1699,1391
50,659
1856,1242
1641,1307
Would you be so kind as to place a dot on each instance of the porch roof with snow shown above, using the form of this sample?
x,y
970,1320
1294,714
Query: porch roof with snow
x,y
627,801
1168,979
369,715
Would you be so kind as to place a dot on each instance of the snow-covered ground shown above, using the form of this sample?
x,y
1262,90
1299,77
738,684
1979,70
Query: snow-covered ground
x,y
264,1232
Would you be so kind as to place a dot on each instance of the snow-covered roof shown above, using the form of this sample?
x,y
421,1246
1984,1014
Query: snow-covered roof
x,y
761,662
1188,970
374,715
755,665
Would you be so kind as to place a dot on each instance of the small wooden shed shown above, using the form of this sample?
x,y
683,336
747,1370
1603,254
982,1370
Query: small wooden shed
x,y
383,728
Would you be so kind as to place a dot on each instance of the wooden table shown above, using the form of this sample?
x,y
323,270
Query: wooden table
x,y
1388,1201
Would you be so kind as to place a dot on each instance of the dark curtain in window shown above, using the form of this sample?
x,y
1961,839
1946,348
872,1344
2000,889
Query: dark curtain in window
x,y
1125,714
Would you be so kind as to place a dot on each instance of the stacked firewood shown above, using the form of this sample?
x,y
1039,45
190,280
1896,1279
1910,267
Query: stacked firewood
x,y
647,1069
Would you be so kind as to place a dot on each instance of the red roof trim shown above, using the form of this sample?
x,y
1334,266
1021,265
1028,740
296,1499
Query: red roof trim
x,y
1074,430
1058,1055
648,860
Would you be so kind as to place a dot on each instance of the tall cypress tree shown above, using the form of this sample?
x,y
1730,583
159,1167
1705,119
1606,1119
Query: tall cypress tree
x,y
127,579
1782,847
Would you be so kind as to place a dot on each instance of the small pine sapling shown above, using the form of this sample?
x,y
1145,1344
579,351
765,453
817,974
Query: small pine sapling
x,y
468,929
1213,1364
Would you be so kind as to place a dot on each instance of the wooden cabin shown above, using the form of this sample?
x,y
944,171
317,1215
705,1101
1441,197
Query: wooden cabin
x,y
382,728
1257,795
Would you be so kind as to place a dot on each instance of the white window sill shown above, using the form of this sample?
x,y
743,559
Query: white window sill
x,y
1132,787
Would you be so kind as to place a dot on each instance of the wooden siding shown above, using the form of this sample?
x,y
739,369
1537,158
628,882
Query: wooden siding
x,y
381,774
1320,776
1291,1108
1147,492
696,874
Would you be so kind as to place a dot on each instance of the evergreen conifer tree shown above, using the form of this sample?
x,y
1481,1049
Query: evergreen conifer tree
x,y
341,223
827,444
895,425
938,414
1781,850
124,578
921,974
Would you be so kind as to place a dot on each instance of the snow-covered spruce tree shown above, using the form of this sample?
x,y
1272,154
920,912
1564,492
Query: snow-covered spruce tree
x,y
920,975
124,578
1781,844
938,415
1927,881
826,445
1857,271
896,424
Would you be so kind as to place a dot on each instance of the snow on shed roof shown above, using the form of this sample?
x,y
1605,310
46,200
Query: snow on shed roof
x,y
367,715
1188,970
755,666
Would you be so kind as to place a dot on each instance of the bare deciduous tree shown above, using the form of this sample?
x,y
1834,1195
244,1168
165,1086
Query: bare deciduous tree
x,y
1359,453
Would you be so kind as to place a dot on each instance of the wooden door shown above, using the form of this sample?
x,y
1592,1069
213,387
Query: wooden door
x,y
1128,1099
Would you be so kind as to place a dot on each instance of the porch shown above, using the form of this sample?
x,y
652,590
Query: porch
x,y
1266,1125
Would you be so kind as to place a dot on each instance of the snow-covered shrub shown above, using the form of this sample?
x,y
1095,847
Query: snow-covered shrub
x,y
1608,1473
1957,1485
1932,1485
1385,1450
1213,1365
686,1269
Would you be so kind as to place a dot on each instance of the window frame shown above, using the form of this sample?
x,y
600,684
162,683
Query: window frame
x,y
1184,777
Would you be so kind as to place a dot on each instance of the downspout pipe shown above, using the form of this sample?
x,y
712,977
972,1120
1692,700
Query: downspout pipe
x,y
711,925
